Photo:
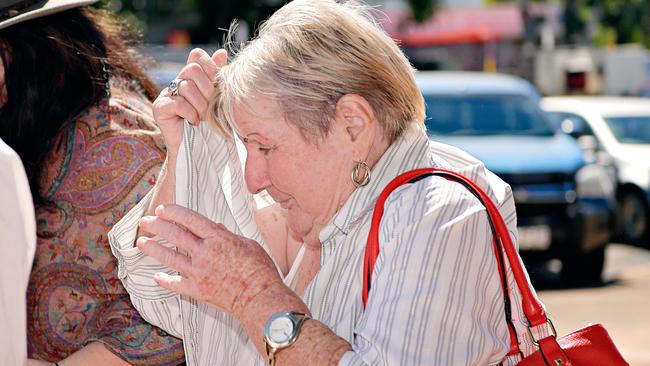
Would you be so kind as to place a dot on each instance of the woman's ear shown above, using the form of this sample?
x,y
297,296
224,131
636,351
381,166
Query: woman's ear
x,y
356,116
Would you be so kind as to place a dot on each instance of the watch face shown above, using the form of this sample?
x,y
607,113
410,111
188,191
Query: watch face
x,y
281,329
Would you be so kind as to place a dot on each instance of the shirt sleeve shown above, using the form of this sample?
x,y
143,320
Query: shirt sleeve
x,y
436,297
209,180
155,304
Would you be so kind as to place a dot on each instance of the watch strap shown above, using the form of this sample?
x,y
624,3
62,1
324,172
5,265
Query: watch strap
x,y
271,350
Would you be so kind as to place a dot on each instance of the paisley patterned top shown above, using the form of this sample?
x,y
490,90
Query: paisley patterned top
x,y
101,165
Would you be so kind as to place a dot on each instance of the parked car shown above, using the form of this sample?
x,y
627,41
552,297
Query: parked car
x,y
564,206
619,126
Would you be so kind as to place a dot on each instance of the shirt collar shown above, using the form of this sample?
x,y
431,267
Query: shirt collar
x,y
409,151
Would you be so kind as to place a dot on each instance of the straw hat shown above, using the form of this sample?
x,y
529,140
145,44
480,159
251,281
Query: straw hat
x,y
16,11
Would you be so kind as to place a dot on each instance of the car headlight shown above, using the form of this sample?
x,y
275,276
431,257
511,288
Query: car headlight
x,y
594,181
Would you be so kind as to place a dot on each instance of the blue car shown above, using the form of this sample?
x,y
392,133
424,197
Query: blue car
x,y
564,203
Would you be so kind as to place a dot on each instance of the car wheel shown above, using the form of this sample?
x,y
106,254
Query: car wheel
x,y
584,268
633,218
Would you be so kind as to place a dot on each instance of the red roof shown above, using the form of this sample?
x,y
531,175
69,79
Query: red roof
x,y
457,25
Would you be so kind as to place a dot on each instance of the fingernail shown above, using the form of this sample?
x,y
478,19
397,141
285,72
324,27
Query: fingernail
x,y
145,221
141,242
159,210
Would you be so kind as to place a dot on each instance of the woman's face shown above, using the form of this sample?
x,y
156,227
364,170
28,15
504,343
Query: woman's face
x,y
311,180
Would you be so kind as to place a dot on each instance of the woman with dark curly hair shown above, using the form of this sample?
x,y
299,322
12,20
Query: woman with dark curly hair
x,y
75,105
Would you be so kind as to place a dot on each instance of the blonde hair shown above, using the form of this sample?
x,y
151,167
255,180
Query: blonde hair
x,y
309,54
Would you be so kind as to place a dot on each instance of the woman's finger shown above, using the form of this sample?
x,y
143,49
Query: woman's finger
x,y
220,57
177,106
170,232
167,256
179,284
203,59
193,221
203,80
188,89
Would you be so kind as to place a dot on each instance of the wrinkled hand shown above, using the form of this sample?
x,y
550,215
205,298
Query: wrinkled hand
x,y
194,94
222,269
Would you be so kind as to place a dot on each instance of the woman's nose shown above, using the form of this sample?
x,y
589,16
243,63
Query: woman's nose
x,y
256,174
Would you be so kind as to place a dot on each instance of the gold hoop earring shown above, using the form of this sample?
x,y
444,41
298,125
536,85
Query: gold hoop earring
x,y
360,174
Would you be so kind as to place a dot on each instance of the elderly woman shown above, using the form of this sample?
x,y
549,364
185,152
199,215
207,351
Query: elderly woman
x,y
328,111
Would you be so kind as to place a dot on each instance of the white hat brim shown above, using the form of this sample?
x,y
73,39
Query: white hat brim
x,y
50,7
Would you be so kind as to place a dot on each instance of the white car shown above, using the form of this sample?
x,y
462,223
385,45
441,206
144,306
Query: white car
x,y
621,127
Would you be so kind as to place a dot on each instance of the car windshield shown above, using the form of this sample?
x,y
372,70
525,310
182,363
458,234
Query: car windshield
x,y
630,130
485,115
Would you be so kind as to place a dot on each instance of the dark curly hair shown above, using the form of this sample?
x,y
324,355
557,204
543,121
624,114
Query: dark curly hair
x,y
56,67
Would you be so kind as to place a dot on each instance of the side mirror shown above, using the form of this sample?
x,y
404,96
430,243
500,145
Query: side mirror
x,y
572,128
588,143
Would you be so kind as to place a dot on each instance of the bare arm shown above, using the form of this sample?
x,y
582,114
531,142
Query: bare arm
x,y
163,191
94,353
254,289
158,306
191,103
317,344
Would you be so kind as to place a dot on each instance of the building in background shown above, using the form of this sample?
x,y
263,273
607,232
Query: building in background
x,y
460,38
617,70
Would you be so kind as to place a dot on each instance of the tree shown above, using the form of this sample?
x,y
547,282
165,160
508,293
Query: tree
x,y
422,10
617,21
216,16
574,21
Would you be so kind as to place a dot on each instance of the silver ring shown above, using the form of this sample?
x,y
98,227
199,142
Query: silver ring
x,y
173,87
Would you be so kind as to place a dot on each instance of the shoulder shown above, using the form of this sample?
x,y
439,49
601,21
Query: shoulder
x,y
13,180
459,161
127,111
431,201
434,200
102,156
126,97
8,158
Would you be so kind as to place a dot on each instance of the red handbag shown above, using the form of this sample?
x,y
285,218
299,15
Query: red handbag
x,y
590,345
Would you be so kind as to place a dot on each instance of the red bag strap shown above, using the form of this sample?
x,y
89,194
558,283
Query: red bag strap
x,y
531,306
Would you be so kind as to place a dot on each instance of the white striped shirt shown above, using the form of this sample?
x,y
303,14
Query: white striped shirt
x,y
436,297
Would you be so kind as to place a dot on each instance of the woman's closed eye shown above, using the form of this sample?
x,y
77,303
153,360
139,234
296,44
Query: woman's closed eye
x,y
266,150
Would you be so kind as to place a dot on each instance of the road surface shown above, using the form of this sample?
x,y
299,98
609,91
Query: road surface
x,y
622,304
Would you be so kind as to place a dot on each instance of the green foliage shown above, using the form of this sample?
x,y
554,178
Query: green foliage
x,y
422,10
618,21
574,21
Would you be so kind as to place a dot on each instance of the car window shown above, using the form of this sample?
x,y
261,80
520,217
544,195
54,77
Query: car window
x,y
570,123
484,115
630,130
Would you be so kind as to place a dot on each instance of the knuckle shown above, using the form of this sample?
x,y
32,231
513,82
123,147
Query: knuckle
x,y
190,71
170,256
192,85
164,110
186,108
176,233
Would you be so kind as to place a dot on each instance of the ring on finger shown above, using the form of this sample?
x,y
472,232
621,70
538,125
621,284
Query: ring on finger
x,y
174,85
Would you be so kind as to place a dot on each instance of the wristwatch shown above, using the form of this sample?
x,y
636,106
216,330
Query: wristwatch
x,y
281,331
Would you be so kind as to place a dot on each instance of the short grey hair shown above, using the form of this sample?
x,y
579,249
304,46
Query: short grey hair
x,y
309,54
